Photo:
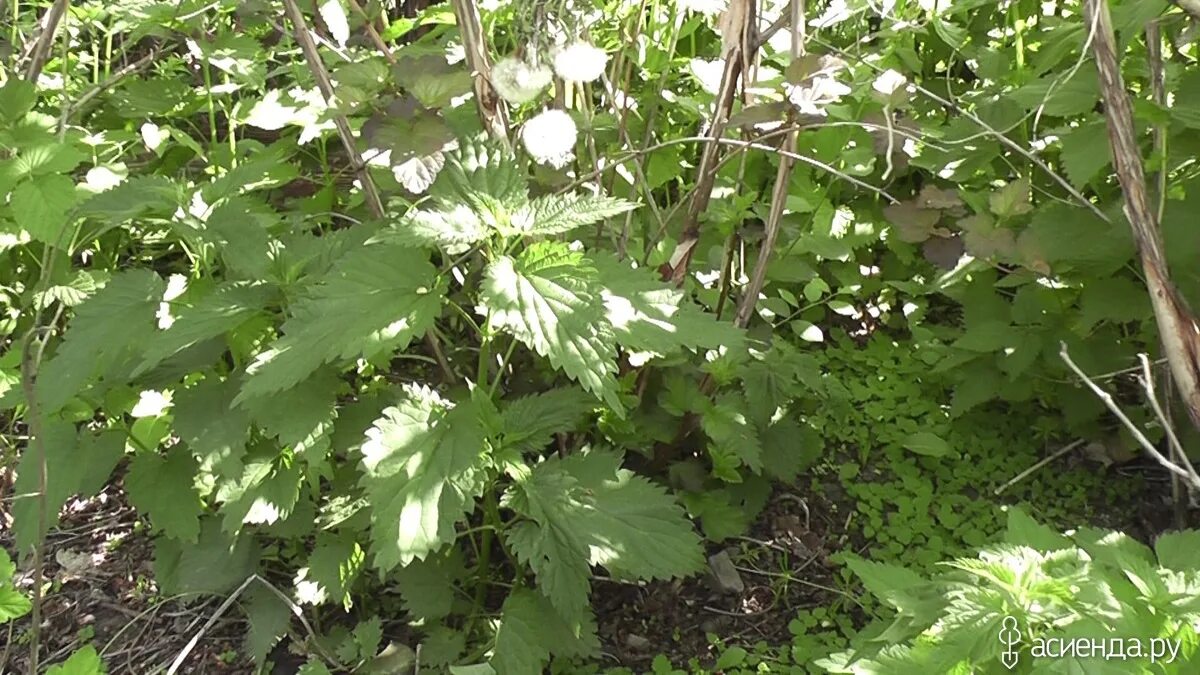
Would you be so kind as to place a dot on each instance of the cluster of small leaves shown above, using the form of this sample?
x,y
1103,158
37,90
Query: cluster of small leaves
x,y
1086,585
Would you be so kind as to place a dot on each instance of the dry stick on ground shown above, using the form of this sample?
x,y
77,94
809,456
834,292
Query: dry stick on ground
x,y
1033,469
780,192
1190,476
1177,325
738,33
491,108
370,194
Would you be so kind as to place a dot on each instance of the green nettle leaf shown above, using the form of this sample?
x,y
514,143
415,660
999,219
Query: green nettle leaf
x,y
547,298
40,208
208,317
913,224
332,567
74,465
652,317
1011,200
46,159
423,465
1179,550
163,488
268,616
134,198
1085,152
266,492
427,586
452,226
479,169
529,422
214,430
374,299
928,444
85,661
897,586
215,564
558,214
1025,531
301,418
528,633
17,98
104,329
72,293
734,439
13,603
586,505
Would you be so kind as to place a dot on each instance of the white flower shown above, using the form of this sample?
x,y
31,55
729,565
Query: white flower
x,y
709,7
812,99
550,138
519,82
580,62
889,83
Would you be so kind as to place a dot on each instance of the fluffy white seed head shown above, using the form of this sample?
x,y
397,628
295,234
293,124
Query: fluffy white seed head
x,y
580,62
550,138
519,82
812,98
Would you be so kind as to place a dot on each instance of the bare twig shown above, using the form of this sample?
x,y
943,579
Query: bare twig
x,y
1111,404
41,48
372,33
1033,469
491,108
779,193
325,84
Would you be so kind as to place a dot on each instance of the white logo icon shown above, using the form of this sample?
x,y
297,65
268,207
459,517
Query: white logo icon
x,y
1010,637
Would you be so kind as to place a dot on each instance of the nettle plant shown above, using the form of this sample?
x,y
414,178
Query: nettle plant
x,y
1088,584
261,422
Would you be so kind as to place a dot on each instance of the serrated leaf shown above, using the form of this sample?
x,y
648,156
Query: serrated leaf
x,y
104,329
547,298
1025,531
627,524
912,223
1179,551
163,488
17,98
558,214
432,79
330,571
423,467
734,440
214,430
894,585
216,563
650,316
1011,200
74,292
40,207
301,418
1085,151
13,604
427,586
75,464
85,661
264,494
452,226
375,299
268,617
529,422
211,316
135,197
529,633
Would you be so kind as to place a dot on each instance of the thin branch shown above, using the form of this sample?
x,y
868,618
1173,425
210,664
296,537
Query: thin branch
x,y
1133,429
41,49
492,111
1033,469
325,84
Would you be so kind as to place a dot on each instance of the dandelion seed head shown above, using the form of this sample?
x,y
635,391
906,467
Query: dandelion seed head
x,y
580,62
519,82
550,138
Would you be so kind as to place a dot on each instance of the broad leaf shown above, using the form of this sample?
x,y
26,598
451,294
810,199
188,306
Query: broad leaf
x,y
548,299
104,330
214,430
558,214
40,208
423,468
332,567
375,299
268,617
162,487
530,422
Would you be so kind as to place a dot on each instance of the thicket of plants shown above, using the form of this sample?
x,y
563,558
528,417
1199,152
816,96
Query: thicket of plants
x,y
488,304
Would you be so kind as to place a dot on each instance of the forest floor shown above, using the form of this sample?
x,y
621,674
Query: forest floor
x,y
100,565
